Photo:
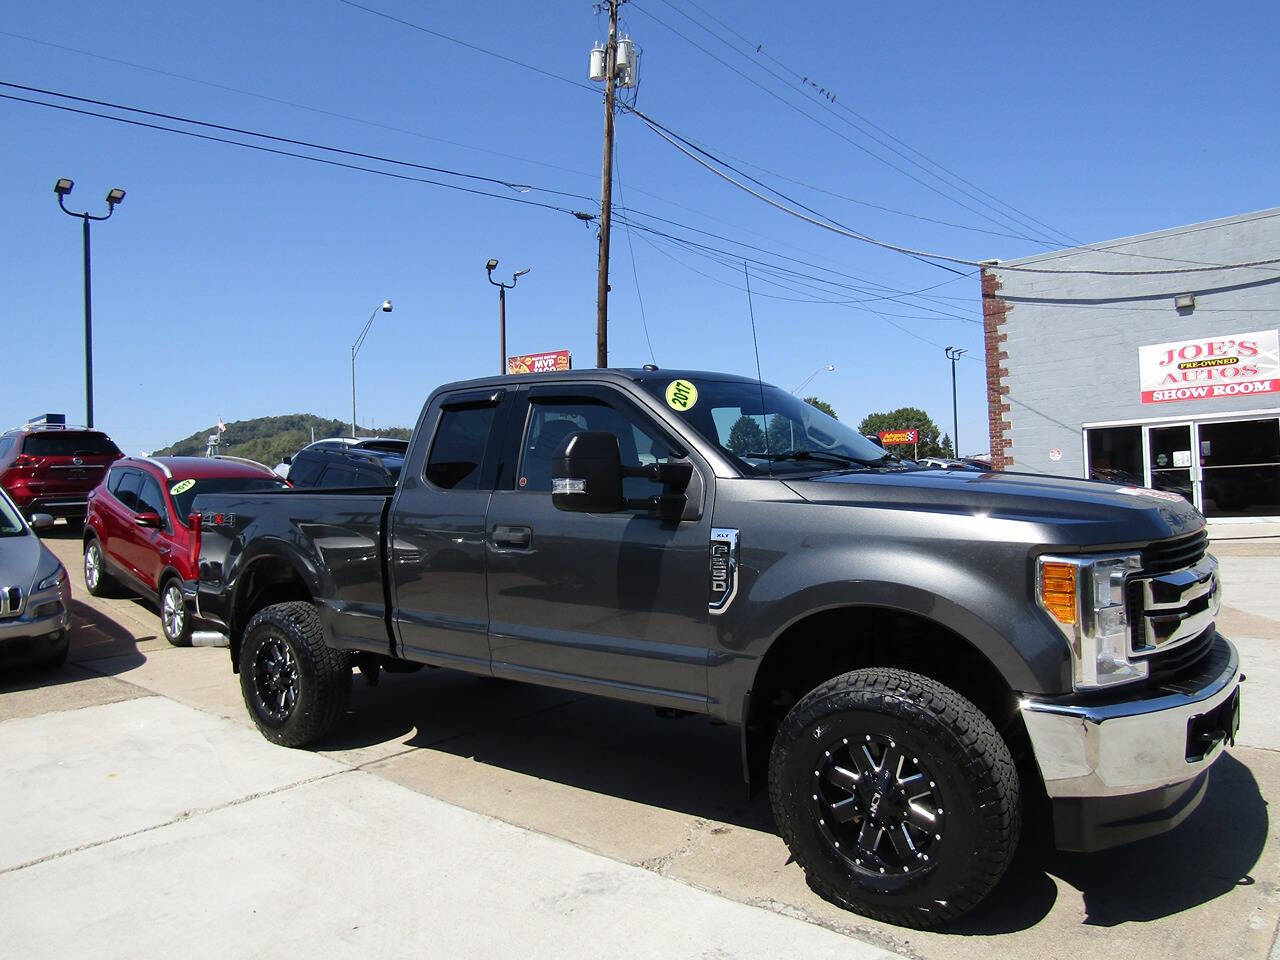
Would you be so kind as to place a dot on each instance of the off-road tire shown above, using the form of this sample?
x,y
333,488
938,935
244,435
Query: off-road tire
x,y
182,636
976,792
104,585
321,675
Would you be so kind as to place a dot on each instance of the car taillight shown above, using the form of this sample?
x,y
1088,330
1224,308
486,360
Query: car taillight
x,y
196,521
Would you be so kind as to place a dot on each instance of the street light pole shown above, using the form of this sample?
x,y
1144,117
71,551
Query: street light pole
x,y
385,307
829,367
954,354
62,188
489,267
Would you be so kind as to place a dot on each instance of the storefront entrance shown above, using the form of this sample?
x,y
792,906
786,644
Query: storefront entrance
x,y
1229,468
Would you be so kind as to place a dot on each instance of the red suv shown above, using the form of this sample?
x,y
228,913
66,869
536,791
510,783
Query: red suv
x,y
138,533
47,467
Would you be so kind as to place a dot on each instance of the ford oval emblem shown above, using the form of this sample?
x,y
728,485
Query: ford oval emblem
x,y
77,461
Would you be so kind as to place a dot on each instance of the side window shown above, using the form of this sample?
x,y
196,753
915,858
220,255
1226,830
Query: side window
x,y
150,500
127,490
339,475
551,422
305,470
6,446
114,476
458,448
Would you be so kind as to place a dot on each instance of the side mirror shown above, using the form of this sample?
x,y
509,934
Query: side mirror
x,y
287,461
586,475
151,520
41,521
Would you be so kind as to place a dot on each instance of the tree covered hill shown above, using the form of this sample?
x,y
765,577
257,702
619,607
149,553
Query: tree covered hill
x,y
269,439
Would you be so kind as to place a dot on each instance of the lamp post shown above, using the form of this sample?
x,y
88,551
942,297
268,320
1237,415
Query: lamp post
x,y
954,354
355,348
829,367
62,188
489,267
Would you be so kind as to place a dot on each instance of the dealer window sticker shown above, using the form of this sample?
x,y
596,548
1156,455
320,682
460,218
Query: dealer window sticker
x,y
681,395
182,486
1148,492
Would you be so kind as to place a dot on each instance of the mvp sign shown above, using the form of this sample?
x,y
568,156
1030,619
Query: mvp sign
x,y
540,362
1211,367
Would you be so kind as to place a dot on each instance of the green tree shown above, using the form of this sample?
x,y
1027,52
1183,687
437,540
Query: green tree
x,y
906,418
782,434
947,450
822,405
746,436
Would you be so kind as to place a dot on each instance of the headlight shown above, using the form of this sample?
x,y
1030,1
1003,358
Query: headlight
x,y
1085,596
53,579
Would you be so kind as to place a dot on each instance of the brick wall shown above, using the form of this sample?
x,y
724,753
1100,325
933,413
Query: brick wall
x,y
994,313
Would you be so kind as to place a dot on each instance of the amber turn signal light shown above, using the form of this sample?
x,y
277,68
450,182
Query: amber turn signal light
x,y
1058,590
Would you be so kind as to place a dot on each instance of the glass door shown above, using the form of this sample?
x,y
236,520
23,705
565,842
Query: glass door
x,y
1171,460
1241,467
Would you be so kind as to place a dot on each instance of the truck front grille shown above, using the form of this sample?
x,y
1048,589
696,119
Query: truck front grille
x,y
1174,554
1172,603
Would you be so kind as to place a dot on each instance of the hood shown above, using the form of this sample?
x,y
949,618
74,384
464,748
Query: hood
x,y
1083,512
20,558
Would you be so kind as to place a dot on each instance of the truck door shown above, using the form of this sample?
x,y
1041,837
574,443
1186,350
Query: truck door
x,y
436,532
609,603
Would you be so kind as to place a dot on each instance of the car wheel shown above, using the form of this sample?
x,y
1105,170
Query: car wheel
x,y
896,795
96,579
295,686
174,620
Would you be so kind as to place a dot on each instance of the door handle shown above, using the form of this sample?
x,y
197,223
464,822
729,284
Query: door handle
x,y
507,536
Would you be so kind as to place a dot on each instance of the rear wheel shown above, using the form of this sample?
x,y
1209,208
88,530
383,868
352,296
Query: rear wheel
x,y
296,687
173,614
96,579
896,795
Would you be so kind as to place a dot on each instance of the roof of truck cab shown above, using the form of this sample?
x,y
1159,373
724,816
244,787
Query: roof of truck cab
x,y
610,374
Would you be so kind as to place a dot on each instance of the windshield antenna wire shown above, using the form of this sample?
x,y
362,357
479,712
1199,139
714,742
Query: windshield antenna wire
x,y
764,414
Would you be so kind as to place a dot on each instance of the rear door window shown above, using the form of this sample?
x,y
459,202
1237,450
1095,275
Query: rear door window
x,y
305,471
458,448
127,490
63,443
339,475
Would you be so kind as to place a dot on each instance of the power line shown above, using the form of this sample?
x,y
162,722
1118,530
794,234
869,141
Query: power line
x,y
835,227
1045,241
300,156
804,81
622,202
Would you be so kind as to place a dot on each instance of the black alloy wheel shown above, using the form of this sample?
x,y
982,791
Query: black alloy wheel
x,y
275,680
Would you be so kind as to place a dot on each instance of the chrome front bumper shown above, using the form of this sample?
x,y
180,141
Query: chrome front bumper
x,y
43,613
1117,749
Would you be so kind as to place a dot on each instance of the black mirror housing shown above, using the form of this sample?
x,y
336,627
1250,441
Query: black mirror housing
x,y
586,474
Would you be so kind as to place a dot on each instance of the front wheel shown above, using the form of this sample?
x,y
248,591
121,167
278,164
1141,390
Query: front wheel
x,y
296,687
896,795
96,579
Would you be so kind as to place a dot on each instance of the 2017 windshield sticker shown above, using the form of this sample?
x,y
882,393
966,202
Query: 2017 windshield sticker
x,y
681,395
182,486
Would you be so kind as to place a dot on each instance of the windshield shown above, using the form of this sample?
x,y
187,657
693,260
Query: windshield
x,y
69,443
10,523
785,435
184,492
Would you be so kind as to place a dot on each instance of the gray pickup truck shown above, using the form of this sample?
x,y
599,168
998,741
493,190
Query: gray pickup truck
x,y
914,657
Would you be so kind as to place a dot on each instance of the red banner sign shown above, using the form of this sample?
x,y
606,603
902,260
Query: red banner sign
x,y
888,437
540,362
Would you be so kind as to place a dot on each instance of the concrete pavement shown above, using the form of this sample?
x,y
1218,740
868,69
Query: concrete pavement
x,y
666,796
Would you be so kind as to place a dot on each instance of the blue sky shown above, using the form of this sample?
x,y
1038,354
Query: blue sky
x,y
231,283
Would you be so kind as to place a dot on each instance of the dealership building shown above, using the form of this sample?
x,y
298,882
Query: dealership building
x,y
1149,361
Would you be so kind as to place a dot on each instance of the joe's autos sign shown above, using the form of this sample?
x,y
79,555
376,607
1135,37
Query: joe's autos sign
x,y
540,362
1211,367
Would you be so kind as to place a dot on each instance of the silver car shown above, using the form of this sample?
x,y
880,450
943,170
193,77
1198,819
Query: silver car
x,y
35,593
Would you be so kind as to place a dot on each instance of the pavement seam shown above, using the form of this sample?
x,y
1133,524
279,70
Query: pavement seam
x,y
184,815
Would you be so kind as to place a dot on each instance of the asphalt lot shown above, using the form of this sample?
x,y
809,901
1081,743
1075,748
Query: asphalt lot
x,y
615,780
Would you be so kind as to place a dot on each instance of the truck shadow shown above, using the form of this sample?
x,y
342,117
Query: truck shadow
x,y
692,767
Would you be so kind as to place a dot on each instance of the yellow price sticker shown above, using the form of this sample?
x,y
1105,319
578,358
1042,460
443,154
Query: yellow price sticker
x,y
681,395
182,486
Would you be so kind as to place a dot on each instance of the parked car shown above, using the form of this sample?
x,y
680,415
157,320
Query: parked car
x,y
48,467
913,657
138,534
35,592
350,467
380,444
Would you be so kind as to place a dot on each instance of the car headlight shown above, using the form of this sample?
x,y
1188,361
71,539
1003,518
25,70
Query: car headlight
x,y
53,579
1085,596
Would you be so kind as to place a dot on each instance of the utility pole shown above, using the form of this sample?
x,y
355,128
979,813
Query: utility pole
x,y
606,192
954,354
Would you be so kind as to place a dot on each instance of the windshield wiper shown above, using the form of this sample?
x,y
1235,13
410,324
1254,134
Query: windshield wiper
x,y
816,455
